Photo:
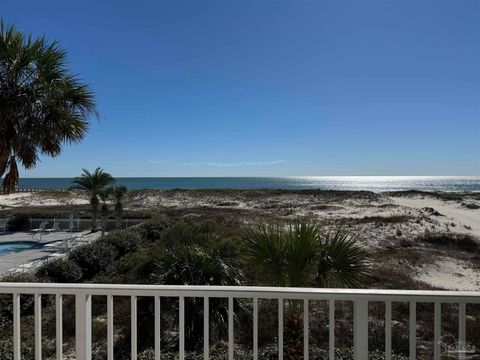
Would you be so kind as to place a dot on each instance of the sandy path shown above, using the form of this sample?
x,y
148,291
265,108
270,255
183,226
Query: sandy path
x,y
450,274
454,212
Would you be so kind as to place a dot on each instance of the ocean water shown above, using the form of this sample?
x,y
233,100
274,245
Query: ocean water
x,y
369,183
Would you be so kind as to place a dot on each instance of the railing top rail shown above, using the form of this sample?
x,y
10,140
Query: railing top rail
x,y
241,292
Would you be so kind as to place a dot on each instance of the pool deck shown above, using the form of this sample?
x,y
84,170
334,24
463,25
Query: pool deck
x,y
54,246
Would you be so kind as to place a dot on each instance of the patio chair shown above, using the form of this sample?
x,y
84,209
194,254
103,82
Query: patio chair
x,y
40,229
55,227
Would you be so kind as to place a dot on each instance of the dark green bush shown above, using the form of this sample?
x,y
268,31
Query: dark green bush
x,y
270,353
98,257
136,267
6,349
152,229
6,300
463,242
19,277
93,258
19,222
123,241
60,270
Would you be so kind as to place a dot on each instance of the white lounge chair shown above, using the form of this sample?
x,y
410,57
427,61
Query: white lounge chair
x,y
55,227
40,229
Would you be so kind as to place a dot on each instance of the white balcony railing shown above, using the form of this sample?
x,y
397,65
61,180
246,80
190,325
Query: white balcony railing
x,y
83,301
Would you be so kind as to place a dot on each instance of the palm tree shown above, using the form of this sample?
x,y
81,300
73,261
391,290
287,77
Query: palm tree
x,y
119,193
43,105
93,183
104,194
299,255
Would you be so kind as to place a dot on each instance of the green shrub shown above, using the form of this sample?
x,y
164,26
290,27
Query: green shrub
x,y
60,270
270,353
123,241
19,277
463,242
6,349
136,267
152,229
191,232
6,300
19,222
93,258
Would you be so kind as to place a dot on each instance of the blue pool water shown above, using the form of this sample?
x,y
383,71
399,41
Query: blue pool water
x,y
14,246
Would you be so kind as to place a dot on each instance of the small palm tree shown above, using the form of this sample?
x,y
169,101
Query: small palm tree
x,y
42,104
299,255
119,193
104,194
93,183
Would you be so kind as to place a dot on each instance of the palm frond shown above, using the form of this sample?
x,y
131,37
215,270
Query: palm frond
x,y
342,261
43,105
265,250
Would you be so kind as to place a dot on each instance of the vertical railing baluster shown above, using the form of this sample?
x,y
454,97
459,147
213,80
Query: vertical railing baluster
x,y
16,327
206,328
133,325
413,330
181,318
230,328
83,326
462,327
331,329
280,329
59,326
158,336
388,330
360,329
305,329
110,327
38,326
437,330
255,328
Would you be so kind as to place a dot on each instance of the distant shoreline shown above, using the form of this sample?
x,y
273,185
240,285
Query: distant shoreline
x,y
348,183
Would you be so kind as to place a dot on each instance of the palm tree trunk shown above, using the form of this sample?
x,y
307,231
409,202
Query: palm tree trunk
x,y
94,205
10,181
104,224
94,219
293,330
118,215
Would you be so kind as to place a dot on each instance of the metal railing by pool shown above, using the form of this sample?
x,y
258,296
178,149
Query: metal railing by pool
x,y
84,224
360,298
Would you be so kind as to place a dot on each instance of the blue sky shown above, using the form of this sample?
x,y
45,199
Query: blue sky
x,y
242,88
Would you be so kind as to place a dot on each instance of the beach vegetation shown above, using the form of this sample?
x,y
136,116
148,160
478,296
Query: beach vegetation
x,y
302,255
43,105
198,251
463,242
60,271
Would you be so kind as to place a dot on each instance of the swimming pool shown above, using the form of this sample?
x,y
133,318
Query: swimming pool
x,y
13,246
